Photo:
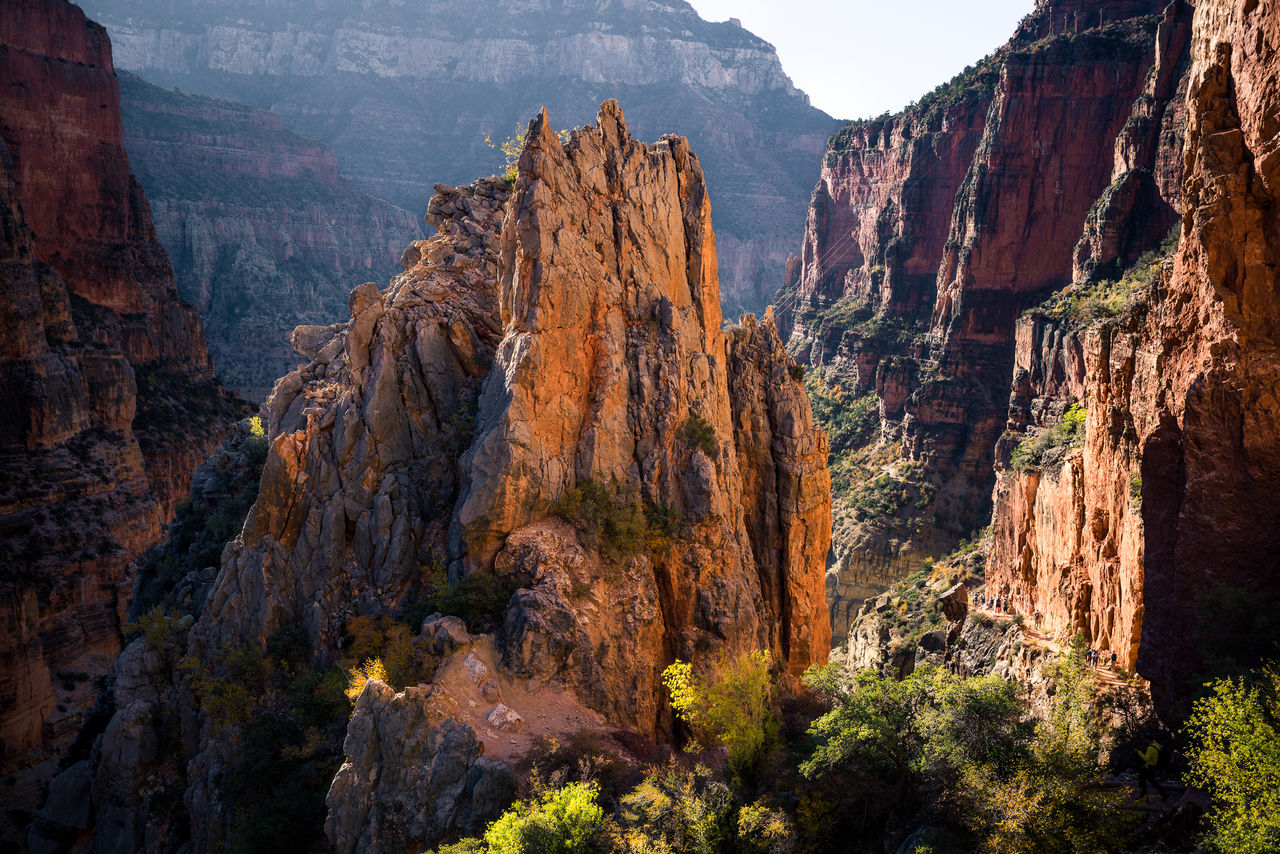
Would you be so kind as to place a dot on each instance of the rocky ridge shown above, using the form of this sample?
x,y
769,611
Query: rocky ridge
x,y
264,233
408,98
604,249
110,401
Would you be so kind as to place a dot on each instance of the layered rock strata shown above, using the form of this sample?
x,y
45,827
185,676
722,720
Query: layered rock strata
x,y
1155,538
109,399
930,232
569,340
404,105
264,233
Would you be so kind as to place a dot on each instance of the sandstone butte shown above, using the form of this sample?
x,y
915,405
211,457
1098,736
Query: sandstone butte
x,y
109,402
574,319
956,270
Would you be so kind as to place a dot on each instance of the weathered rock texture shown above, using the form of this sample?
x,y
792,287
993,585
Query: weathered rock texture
x,y
587,307
108,395
263,232
929,233
613,347
406,94
1158,538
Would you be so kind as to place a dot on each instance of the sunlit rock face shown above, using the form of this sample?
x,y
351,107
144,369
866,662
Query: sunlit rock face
x,y
1156,537
931,231
559,334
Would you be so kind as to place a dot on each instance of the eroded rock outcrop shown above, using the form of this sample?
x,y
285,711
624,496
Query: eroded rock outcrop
x,y
613,353
587,307
109,399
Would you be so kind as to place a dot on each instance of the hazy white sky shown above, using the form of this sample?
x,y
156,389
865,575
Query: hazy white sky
x,y
858,58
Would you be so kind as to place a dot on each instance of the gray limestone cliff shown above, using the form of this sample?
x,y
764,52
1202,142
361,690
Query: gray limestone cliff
x,y
405,94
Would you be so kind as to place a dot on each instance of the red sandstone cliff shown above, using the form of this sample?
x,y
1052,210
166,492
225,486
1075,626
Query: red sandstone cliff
x,y
108,388
1158,538
929,234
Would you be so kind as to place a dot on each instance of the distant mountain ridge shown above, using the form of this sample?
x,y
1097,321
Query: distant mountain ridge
x,y
354,78
263,231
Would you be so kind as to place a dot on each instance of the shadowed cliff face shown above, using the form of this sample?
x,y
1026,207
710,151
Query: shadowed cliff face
x,y
928,234
109,400
565,334
406,94
263,232
1157,538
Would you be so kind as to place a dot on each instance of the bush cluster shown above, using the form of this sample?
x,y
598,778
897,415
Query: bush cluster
x,y
617,521
959,760
697,432
1067,433
1106,299
851,422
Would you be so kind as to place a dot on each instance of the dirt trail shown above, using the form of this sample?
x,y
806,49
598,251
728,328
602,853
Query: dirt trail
x,y
1033,636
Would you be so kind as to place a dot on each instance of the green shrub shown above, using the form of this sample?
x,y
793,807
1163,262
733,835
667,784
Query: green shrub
x,y
675,810
733,706
159,626
765,830
1234,753
566,820
513,146
382,648
616,521
1069,432
479,598
697,432
1104,299
228,690
850,422
289,645
1017,784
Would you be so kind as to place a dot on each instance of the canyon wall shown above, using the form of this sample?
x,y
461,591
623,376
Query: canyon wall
x,y
263,232
639,482
109,397
407,97
1131,482
1154,536
929,233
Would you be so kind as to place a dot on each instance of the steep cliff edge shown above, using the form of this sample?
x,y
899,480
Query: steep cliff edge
x,y
263,232
406,95
565,334
109,398
1156,536
929,233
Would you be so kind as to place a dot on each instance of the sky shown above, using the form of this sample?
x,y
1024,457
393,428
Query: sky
x,y
858,58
